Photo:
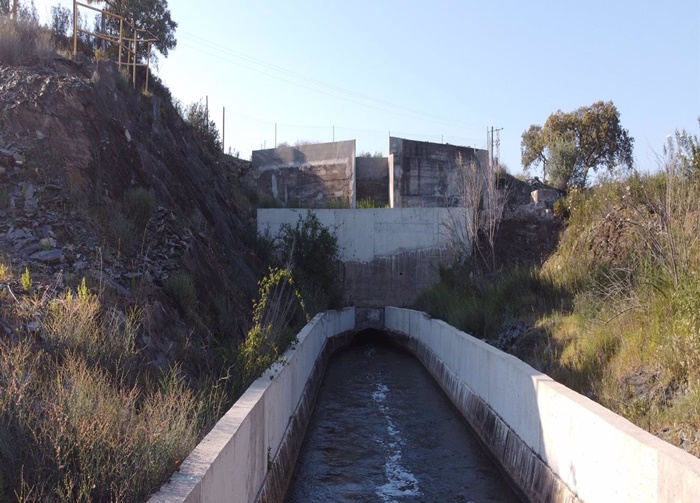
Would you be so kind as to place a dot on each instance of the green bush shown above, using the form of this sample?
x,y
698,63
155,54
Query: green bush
x,y
310,251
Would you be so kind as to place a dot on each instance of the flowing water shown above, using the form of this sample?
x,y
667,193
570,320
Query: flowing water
x,y
382,430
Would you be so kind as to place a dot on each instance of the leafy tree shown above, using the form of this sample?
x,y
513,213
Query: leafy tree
x,y
596,133
61,19
562,163
532,149
151,15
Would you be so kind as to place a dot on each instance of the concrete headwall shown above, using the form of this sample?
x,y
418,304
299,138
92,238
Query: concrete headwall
x,y
556,444
388,255
307,175
372,179
422,174
251,452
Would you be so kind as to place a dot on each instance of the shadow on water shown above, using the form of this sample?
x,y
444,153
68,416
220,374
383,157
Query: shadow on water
x,y
383,430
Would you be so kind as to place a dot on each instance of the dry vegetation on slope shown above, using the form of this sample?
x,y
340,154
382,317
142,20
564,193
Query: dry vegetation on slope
x,y
127,275
614,312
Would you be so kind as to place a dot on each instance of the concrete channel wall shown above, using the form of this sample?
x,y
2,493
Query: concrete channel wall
x,y
557,445
251,452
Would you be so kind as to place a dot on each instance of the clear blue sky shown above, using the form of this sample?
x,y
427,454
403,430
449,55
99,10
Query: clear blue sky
x,y
439,70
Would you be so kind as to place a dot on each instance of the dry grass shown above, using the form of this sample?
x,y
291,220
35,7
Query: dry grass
x,y
24,42
81,417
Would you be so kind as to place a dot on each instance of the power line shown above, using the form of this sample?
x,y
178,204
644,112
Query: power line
x,y
374,103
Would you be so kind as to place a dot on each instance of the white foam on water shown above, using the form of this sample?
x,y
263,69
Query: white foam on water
x,y
400,481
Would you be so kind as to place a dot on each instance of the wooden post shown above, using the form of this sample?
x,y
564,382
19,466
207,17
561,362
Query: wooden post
x,y
14,9
121,29
75,28
135,60
148,63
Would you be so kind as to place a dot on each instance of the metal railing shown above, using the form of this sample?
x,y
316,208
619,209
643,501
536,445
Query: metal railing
x,y
127,41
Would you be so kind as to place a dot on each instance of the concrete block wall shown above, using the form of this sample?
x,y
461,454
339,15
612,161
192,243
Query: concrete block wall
x,y
237,459
307,176
556,444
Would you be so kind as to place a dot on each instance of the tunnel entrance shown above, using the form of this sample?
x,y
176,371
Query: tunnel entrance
x,y
383,430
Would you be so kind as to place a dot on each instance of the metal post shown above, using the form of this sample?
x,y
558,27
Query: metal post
x,y
75,29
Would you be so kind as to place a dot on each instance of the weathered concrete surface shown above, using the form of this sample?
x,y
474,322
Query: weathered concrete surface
x,y
388,255
396,280
422,174
240,459
557,445
307,176
372,179
364,235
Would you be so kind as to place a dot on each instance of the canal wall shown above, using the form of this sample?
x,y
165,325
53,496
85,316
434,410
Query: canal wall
x,y
555,444
251,452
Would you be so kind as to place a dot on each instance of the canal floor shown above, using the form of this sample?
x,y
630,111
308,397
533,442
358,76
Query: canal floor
x,y
382,430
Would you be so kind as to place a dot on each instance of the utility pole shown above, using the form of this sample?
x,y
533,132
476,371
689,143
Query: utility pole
x,y
491,141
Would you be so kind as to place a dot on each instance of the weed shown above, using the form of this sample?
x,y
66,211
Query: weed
x,y
27,281
180,287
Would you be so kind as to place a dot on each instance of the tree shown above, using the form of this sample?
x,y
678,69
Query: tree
x,y
532,150
151,15
594,131
197,116
61,19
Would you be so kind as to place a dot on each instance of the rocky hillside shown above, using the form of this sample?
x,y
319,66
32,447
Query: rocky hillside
x,y
101,181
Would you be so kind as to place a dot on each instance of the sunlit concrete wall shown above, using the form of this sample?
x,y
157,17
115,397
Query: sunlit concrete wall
x,y
556,444
241,459
389,255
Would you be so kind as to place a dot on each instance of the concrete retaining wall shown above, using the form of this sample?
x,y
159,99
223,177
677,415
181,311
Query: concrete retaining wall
x,y
388,255
250,454
307,176
556,444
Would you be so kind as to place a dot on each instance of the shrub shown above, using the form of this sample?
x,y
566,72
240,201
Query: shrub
x,y
23,42
310,251
27,281
180,287
139,204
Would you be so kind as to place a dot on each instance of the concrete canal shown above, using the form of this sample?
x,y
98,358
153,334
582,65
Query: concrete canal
x,y
382,430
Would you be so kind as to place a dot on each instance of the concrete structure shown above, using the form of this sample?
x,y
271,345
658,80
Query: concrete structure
x,y
308,176
372,179
388,255
557,445
422,174
416,174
